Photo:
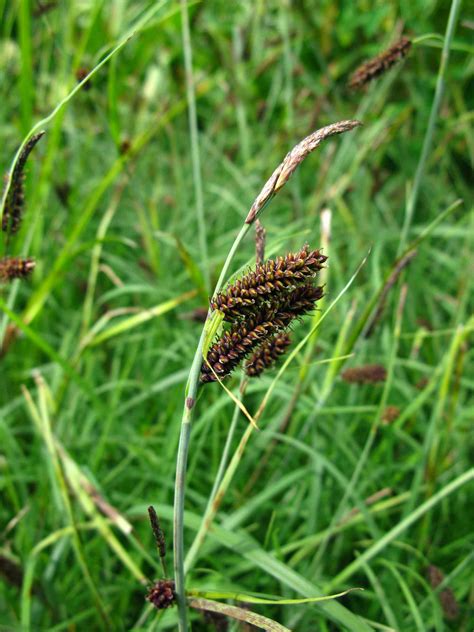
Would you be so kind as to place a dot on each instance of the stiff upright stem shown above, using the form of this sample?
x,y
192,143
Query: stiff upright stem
x,y
190,400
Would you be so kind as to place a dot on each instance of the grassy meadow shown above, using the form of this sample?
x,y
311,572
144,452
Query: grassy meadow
x,y
163,121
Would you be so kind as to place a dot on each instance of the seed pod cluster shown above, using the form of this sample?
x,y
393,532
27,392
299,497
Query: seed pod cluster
x,y
275,275
379,64
261,306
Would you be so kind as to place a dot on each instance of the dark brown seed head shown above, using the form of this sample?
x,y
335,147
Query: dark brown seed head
x,y
390,414
268,281
162,594
379,64
15,268
81,74
370,373
13,211
245,335
267,354
447,598
157,531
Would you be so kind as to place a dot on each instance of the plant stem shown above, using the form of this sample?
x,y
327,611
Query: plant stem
x,y
428,140
190,399
212,506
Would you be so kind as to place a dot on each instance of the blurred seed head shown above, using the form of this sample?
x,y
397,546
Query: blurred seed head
x,y
380,64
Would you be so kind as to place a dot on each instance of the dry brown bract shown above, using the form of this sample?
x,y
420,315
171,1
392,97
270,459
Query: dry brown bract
x,y
380,64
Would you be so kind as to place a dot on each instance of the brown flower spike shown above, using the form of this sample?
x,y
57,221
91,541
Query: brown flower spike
x,y
15,268
379,64
293,158
267,354
244,336
370,373
14,203
248,293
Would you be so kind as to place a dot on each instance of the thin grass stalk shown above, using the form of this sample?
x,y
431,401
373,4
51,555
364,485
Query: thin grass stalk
x,y
373,429
193,133
183,448
398,529
211,505
428,140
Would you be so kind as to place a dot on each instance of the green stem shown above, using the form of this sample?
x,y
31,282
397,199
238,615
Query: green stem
x,y
212,505
180,480
428,140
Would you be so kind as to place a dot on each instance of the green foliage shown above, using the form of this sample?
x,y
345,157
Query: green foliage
x,y
97,346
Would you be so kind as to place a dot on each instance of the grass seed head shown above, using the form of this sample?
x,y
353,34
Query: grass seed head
x,y
293,158
14,204
162,594
282,308
16,268
267,280
368,374
267,354
379,64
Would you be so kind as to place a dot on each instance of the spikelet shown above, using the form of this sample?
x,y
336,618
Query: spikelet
x,y
293,158
244,336
379,64
267,354
368,374
15,268
252,290
162,594
14,203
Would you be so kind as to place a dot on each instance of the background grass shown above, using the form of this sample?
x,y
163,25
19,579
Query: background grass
x,y
91,387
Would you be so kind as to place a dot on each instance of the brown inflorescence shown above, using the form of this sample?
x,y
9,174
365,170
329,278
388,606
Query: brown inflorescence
x,y
15,268
13,211
447,598
293,158
162,594
370,373
267,354
244,336
379,64
252,290
158,532
390,414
